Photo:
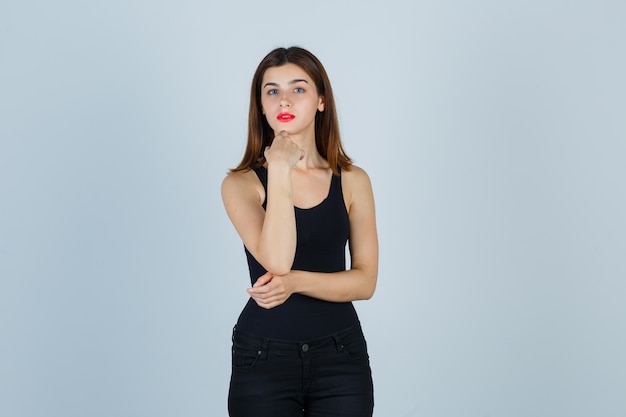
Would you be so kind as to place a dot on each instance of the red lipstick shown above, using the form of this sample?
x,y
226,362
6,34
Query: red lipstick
x,y
285,117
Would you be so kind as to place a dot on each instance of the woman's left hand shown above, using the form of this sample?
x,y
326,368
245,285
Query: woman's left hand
x,y
271,290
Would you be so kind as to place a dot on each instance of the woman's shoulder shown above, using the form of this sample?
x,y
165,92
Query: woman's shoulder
x,y
241,183
240,176
354,175
356,184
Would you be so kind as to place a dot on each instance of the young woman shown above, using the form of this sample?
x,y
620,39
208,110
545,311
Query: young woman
x,y
295,200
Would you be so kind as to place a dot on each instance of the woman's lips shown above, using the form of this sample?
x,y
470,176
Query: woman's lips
x,y
285,117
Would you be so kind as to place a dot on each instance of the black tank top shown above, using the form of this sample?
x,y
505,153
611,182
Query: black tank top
x,y
322,233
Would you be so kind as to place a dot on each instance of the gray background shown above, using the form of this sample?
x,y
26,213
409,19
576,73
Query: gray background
x,y
494,133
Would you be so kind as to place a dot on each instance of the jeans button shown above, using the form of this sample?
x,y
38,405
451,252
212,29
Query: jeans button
x,y
305,347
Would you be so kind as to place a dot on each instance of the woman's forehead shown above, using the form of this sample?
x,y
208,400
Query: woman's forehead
x,y
285,73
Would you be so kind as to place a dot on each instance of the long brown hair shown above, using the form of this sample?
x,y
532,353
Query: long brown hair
x,y
260,134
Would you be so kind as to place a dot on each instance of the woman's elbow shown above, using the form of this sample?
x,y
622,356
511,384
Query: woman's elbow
x,y
279,271
278,267
275,263
367,291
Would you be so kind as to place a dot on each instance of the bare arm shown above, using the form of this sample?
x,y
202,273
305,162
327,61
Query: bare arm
x,y
359,282
270,234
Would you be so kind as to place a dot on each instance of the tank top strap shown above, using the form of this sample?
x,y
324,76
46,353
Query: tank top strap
x,y
261,172
335,187
336,194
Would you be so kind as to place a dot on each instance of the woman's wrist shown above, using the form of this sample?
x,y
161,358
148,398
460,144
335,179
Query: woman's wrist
x,y
295,281
279,165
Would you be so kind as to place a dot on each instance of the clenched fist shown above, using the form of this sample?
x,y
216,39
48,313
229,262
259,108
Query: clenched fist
x,y
283,149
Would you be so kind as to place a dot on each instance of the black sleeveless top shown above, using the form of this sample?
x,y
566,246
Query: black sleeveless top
x,y
322,233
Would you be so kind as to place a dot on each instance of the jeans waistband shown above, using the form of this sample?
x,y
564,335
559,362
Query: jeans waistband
x,y
334,340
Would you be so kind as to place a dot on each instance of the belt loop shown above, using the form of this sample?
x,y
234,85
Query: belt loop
x,y
338,343
263,351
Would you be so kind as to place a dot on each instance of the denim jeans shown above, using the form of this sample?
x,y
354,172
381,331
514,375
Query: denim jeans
x,y
329,377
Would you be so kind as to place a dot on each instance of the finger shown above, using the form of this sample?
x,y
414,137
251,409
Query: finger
x,y
263,302
280,135
263,279
258,291
265,291
267,304
266,294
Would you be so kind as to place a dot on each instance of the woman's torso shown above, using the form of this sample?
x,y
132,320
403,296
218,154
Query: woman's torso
x,y
322,233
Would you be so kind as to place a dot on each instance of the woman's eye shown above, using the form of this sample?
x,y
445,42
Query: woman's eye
x,y
298,90
272,91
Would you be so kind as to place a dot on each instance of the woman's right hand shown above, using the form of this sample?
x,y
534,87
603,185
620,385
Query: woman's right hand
x,y
283,149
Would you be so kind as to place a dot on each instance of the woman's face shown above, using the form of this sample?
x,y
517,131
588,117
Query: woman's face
x,y
289,100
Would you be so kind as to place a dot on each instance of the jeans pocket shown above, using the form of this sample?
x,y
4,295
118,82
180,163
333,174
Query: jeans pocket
x,y
246,351
243,358
356,349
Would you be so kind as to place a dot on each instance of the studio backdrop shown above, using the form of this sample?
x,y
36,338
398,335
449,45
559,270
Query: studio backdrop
x,y
494,134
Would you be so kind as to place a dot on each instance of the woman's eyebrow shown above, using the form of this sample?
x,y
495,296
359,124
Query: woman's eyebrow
x,y
297,80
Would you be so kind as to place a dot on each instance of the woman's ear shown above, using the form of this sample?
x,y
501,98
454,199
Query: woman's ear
x,y
320,106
